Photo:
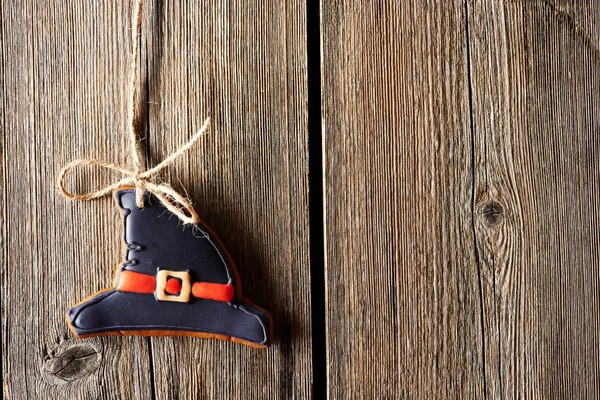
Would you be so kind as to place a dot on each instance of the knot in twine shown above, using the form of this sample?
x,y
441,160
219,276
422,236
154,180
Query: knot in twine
x,y
143,181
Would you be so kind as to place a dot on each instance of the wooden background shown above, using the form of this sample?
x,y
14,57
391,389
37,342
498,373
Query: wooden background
x,y
458,229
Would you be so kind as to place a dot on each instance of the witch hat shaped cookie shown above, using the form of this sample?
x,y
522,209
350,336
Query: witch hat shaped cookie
x,y
176,279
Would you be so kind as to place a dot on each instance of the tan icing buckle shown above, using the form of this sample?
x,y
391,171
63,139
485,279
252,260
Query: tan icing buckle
x,y
161,281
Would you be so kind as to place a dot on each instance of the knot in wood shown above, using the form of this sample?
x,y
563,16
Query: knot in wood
x,y
492,214
74,363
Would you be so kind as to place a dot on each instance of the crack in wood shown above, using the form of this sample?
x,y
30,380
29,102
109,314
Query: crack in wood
x,y
473,199
57,373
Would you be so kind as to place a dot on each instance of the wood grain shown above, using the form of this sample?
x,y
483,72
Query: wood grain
x,y
461,179
65,73
535,70
65,82
461,149
403,301
244,64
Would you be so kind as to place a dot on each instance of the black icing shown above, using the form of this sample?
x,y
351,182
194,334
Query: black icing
x,y
156,239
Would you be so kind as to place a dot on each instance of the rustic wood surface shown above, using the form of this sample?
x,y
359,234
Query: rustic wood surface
x,y
403,308
535,69
461,155
244,64
65,77
461,144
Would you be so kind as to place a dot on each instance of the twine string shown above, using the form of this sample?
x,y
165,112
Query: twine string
x,y
136,152
142,180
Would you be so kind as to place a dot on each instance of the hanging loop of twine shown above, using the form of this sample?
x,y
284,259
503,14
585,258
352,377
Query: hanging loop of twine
x,y
141,179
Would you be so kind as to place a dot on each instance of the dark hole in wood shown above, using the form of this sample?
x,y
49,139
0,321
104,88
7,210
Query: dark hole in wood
x,y
493,213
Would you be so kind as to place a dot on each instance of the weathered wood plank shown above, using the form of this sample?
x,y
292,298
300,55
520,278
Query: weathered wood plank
x,y
244,64
65,92
535,70
403,303
65,73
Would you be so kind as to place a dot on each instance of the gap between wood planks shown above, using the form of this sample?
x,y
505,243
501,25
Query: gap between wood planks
x,y
315,184
316,220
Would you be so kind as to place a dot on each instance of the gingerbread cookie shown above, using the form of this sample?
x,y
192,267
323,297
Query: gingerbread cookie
x,y
176,279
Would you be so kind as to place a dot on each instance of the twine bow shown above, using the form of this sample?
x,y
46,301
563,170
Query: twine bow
x,y
142,180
